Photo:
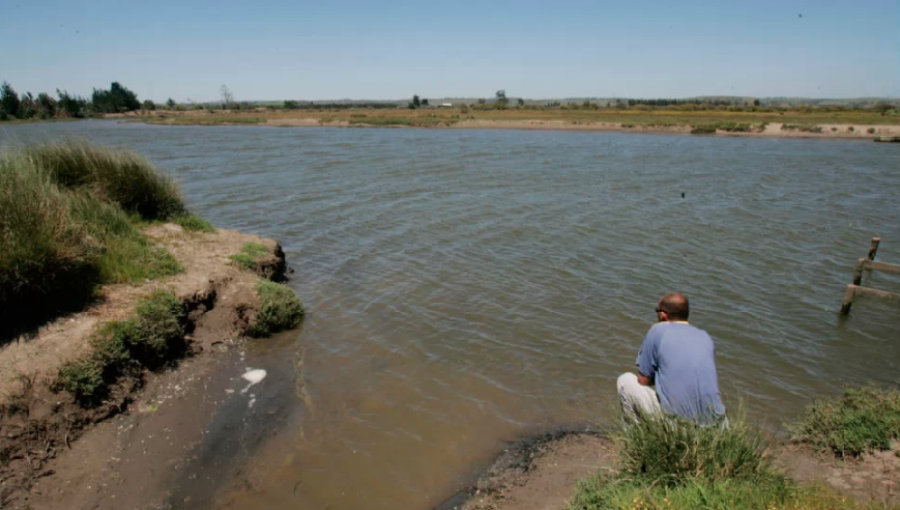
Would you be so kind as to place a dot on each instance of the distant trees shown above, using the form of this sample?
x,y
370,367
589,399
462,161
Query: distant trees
x,y
227,97
117,99
149,105
73,106
46,106
9,101
424,102
520,102
291,105
171,103
756,102
415,103
501,97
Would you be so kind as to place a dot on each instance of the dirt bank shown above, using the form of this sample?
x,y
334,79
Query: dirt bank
x,y
55,453
541,473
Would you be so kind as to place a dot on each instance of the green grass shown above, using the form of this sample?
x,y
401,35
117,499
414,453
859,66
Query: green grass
x,y
194,223
68,224
116,175
149,339
280,309
251,253
611,493
859,421
671,450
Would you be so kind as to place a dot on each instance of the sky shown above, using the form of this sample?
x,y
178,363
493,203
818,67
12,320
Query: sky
x,y
367,49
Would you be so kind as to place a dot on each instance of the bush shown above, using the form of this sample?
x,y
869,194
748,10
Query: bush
x,y
82,378
862,420
280,309
703,130
871,131
118,175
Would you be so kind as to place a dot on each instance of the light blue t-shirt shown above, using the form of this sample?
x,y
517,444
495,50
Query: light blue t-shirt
x,y
682,361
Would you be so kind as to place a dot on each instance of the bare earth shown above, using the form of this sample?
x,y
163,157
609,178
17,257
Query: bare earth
x,y
39,471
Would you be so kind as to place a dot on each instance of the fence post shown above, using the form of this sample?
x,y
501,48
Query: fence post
x,y
874,247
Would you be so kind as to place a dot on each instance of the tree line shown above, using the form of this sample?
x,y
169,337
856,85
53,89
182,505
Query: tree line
x,y
118,99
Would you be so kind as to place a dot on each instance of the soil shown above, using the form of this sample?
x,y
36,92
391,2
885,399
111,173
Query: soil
x,y
38,427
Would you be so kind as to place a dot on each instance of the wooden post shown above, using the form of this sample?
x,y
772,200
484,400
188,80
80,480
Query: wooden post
x,y
848,299
874,247
857,273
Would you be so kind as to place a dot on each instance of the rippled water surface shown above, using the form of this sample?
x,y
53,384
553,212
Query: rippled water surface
x,y
467,287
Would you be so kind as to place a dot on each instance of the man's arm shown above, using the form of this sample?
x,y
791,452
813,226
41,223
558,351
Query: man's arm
x,y
643,380
646,360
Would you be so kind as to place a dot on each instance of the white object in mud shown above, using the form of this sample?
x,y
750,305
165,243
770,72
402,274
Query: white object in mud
x,y
253,377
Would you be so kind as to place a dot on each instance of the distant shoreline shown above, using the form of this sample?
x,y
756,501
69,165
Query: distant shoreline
x,y
771,130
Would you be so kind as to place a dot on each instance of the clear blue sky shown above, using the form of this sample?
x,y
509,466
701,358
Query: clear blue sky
x,y
388,50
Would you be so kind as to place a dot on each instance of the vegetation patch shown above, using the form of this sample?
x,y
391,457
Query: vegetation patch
x,y
67,225
194,223
250,255
153,336
280,309
805,129
861,420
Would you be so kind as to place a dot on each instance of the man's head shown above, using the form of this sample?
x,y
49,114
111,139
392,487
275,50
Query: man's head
x,y
672,307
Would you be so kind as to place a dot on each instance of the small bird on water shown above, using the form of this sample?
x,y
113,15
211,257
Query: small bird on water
x,y
682,195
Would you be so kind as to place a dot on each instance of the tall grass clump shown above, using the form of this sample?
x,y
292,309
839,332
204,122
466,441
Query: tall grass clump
x,y
65,228
280,309
670,450
153,336
670,463
251,254
861,420
43,246
117,175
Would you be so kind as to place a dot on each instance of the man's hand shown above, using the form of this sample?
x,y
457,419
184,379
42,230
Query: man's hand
x,y
643,380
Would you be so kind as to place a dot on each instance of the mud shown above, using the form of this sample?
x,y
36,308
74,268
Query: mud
x,y
44,461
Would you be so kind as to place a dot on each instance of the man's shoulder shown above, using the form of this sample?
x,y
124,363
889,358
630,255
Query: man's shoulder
x,y
682,329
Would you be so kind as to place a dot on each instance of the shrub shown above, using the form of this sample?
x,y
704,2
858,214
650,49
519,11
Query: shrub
x,y
871,131
82,378
159,330
280,309
703,130
861,420
117,175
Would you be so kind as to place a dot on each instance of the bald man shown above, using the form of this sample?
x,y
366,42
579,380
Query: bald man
x,y
679,360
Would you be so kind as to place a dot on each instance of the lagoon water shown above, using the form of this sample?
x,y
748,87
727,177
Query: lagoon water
x,y
467,288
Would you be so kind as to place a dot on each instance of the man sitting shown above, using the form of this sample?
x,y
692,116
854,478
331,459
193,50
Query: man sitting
x,y
680,360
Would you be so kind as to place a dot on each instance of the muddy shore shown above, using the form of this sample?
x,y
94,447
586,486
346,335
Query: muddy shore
x,y
126,452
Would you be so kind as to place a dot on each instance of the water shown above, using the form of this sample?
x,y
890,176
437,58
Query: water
x,y
467,287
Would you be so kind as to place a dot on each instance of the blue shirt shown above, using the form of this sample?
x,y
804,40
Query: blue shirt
x,y
682,361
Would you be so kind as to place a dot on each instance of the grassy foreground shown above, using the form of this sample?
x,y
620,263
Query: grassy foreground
x,y
68,223
672,464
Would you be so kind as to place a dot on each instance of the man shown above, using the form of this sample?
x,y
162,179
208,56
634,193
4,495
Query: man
x,y
680,360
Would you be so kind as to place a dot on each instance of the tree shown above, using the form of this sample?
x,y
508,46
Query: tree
x,y
521,102
424,102
9,100
117,99
171,103
72,106
291,105
227,97
149,105
756,102
46,106
883,108
501,97
416,102
27,106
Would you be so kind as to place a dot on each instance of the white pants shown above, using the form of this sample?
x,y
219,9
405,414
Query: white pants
x,y
637,400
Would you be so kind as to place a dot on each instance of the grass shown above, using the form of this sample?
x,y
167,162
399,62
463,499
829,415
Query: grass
x,y
251,253
150,338
194,223
115,175
280,309
68,214
861,420
602,493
